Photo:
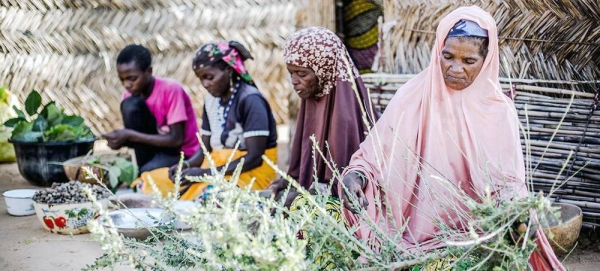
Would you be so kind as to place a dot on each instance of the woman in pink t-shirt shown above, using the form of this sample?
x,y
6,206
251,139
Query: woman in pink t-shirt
x,y
157,114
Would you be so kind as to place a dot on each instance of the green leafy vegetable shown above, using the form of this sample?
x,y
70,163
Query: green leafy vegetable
x,y
20,129
24,131
72,120
19,112
12,122
63,132
33,102
53,114
40,124
113,175
120,170
128,170
50,125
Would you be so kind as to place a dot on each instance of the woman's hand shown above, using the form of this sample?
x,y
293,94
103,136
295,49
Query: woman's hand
x,y
173,172
278,188
193,172
352,192
117,138
173,169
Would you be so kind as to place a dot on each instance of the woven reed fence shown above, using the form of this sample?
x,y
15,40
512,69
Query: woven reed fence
x,y
67,48
554,127
551,40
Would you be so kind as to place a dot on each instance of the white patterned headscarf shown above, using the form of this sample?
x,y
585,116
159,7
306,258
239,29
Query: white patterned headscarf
x,y
322,51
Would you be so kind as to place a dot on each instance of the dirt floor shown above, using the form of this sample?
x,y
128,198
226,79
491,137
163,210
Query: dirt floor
x,y
27,246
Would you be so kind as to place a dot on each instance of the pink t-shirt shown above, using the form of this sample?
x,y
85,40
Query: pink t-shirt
x,y
170,104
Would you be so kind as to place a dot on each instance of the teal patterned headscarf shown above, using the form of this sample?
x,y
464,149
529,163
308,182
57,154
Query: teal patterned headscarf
x,y
233,53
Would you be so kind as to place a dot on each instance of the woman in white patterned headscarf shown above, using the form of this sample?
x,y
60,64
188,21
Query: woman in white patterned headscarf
x,y
323,75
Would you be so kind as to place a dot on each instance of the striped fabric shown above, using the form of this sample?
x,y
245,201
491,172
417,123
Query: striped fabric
x,y
361,31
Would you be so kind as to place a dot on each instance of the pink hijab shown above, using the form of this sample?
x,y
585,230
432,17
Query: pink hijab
x,y
433,141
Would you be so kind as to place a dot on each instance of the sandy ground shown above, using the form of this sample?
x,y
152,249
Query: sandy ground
x,y
25,245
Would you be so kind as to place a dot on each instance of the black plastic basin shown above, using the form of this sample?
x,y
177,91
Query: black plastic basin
x,y
40,163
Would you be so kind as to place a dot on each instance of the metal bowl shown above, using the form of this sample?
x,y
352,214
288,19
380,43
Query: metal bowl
x,y
133,200
183,208
19,202
138,222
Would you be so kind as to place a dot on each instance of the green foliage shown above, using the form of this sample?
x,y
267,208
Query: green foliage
x,y
50,125
233,229
13,122
120,170
128,171
19,112
236,229
64,132
32,103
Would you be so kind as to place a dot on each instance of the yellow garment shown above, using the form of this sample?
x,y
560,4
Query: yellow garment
x,y
443,264
263,175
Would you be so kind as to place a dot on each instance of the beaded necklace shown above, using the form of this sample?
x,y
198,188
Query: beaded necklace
x,y
228,107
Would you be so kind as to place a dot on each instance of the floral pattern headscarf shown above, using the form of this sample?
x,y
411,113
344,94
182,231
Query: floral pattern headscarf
x,y
322,51
233,53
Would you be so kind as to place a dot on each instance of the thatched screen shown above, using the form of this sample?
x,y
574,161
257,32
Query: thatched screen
x,y
547,40
67,48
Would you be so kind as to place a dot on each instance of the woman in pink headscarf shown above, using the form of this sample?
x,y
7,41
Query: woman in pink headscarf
x,y
448,129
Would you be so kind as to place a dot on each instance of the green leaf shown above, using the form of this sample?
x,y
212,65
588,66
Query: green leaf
x,y
72,120
19,112
20,129
83,132
128,170
113,175
52,113
14,121
33,136
60,133
33,102
63,132
40,124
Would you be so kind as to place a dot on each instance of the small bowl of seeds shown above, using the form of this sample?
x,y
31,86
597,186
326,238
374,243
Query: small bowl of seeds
x,y
64,208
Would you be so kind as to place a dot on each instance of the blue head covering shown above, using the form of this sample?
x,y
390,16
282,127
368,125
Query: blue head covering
x,y
466,28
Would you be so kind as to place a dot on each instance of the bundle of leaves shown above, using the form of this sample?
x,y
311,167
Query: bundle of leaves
x,y
46,123
232,229
120,170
